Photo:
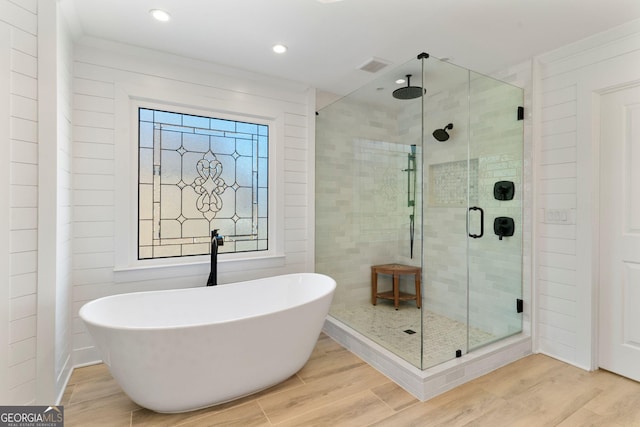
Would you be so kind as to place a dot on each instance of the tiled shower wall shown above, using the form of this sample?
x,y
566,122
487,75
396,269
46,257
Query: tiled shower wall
x,y
362,217
496,154
495,266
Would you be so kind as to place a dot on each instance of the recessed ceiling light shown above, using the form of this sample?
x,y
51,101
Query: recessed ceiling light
x,y
400,81
160,15
279,48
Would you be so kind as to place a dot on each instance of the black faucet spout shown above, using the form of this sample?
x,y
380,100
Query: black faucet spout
x,y
216,240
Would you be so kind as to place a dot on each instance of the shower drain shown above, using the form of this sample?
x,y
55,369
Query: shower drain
x,y
409,331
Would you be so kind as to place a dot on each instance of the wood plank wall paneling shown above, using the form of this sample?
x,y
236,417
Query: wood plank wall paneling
x,y
569,78
19,89
100,75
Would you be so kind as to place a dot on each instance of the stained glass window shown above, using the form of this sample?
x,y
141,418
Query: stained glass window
x,y
197,174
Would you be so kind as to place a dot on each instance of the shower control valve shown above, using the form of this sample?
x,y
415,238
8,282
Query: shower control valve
x,y
503,226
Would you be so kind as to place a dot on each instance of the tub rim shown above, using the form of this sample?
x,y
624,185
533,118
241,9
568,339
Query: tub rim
x,y
104,325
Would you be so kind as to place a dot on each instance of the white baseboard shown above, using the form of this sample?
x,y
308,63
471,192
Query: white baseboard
x,y
86,356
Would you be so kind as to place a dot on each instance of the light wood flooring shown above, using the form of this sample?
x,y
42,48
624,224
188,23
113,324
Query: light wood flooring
x,y
336,388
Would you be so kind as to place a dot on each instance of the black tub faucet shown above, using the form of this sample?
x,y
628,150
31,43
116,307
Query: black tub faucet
x,y
216,240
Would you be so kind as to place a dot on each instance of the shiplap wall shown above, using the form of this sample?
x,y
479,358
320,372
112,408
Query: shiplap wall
x,y
63,327
5,211
570,80
106,78
18,21
564,278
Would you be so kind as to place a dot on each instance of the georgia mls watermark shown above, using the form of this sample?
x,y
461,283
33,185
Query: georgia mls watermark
x,y
31,416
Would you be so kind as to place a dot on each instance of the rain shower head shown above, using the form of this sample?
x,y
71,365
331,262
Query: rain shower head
x,y
442,134
408,92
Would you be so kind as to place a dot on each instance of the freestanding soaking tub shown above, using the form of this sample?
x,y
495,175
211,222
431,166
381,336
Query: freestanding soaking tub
x,y
185,349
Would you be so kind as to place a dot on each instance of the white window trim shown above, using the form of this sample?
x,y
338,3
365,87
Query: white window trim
x,y
127,265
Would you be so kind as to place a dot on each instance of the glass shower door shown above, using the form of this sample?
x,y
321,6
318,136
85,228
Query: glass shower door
x,y
446,171
495,210
368,199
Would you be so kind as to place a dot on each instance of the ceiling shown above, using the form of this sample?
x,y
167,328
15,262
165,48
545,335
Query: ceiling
x,y
329,41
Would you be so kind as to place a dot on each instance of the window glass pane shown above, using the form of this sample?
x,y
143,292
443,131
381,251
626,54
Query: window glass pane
x,y
167,118
195,228
195,121
263,173
244,227
170,140
171,167
262,228
195,142
244,147
146,232
223,145
145,171
244,203
228,174
262,203
247,246
263,146
228,205
244,173
170,202
248,128
146,134
197,174
145,195
225,125
146,115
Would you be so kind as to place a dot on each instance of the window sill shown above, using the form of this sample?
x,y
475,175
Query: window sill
x,y
198,268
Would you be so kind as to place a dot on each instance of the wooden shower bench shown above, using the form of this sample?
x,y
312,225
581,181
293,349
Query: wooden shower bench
x,y
395,270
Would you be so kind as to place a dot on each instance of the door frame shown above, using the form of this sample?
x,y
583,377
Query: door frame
x,y
588,190
591,83
596,190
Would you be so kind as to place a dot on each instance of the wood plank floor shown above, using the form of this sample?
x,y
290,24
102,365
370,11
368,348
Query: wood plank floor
x,y
336,388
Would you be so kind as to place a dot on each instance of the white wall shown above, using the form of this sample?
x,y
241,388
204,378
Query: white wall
x,y
569,81
54,205
566,82
18,91
5,211
65,226
36,296
108,80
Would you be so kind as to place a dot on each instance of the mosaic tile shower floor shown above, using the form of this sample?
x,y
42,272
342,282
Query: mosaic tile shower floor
x,y
386,326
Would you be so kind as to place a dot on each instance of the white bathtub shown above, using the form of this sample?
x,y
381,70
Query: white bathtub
x,y
185,349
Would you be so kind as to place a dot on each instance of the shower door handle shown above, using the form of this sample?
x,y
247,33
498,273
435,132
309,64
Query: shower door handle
x,y
476,208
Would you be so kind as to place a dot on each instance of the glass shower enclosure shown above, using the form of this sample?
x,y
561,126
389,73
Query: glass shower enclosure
x,y
422,169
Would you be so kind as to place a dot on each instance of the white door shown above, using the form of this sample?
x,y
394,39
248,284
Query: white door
x,y
619,319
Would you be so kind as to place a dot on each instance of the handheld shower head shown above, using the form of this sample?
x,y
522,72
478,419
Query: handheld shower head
x,y
442,134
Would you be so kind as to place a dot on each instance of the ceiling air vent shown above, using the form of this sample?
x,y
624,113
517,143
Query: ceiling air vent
x,y
374,65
